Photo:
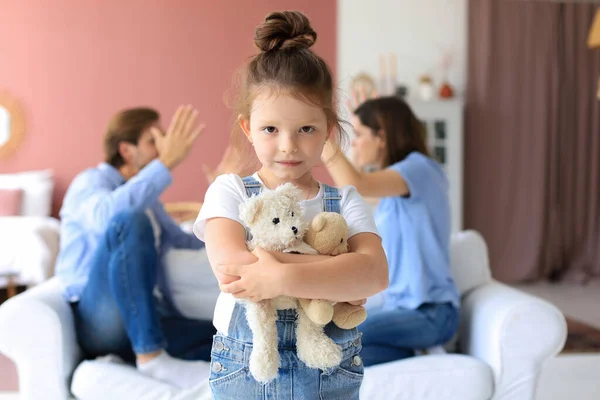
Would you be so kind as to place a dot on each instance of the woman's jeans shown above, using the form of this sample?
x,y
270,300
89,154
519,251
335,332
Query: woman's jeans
x,y
230,378
394,334
118,311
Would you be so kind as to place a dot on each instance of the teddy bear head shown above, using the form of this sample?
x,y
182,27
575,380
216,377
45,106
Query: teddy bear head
x,y
328,234
274,217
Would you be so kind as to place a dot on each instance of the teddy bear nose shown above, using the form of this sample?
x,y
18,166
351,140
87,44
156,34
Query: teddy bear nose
x,y
295,230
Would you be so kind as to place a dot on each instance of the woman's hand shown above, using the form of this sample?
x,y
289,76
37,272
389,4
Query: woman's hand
x,y
231,163
330,151
257,281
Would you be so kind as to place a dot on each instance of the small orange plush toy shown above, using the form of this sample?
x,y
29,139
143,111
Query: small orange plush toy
x,y
328,234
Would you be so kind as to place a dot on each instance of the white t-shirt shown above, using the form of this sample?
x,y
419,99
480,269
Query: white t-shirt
x,y
227,192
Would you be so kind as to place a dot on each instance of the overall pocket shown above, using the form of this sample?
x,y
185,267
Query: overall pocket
x,y
344,381
229,374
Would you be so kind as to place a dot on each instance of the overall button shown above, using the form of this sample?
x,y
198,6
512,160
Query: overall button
x,y
217,367
356,360
219,346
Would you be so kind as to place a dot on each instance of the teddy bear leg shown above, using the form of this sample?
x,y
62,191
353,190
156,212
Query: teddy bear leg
x,y
264,359
318,311
347,316
315,349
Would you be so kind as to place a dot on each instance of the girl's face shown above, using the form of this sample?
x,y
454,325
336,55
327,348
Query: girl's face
x,y
367,146
288,136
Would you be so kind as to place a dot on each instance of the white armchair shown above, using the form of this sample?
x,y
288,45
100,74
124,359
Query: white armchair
x,y
505,337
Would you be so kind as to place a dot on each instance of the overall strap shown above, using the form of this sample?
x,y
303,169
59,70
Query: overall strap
x,y
252,186
331,199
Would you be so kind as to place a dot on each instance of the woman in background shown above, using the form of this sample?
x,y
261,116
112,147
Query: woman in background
x,y
421,305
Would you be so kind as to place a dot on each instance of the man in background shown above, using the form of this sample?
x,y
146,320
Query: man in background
x,y
114,234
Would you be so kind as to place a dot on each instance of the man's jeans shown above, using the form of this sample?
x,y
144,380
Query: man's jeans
x,y
118,312
390,335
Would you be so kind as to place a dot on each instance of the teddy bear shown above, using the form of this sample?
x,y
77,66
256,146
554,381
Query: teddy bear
x,y
276,222
328,234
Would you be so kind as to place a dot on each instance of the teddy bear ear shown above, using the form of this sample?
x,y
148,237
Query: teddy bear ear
x,y
250,210
318,223
288,190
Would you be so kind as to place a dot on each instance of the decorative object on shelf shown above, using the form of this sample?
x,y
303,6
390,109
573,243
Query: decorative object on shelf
x,y
392,82
383,75
594,40
446,90
426,89
365,81
388,84
402,91
12,124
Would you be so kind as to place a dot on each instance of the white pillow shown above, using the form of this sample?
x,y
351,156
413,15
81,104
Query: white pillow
x,y
192,283
100,380
37,189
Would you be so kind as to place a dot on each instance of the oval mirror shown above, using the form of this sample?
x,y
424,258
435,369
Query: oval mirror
x,y
12,124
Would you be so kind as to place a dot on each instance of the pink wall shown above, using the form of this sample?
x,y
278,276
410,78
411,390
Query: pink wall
x,y
74,63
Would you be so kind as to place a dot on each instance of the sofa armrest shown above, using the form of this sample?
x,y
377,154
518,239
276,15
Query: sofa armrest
x,y
514,333
38,334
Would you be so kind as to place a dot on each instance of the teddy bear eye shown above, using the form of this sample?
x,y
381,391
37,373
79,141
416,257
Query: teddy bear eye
x,y
292,214
275,220
342,240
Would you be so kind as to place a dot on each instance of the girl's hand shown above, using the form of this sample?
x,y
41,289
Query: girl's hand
x,y
257,281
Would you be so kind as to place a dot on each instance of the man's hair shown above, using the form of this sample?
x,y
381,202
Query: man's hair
x,y
126,126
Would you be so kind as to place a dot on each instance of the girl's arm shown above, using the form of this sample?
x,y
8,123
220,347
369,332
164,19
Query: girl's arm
x,y
359,274
225,241
226,244
385,183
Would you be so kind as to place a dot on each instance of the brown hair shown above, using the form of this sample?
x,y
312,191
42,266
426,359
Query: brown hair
x,y
403,132
126,126
286,63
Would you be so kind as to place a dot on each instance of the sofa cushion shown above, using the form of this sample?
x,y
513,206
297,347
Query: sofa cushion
x,y
10,202
448,377
432,377
37,189
193,285
101,380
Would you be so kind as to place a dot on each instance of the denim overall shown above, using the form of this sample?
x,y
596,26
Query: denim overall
x,y
230,378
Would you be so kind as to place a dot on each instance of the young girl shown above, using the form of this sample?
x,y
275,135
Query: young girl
x,y
413,218
286,111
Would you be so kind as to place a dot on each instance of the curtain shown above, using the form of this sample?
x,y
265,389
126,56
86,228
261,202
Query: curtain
x,y
532,164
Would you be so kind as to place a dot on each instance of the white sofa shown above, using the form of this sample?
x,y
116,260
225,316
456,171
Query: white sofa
x,y
505,338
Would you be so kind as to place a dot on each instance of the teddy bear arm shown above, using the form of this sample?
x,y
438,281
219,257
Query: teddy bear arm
x,y
348,316
301,248
318,311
